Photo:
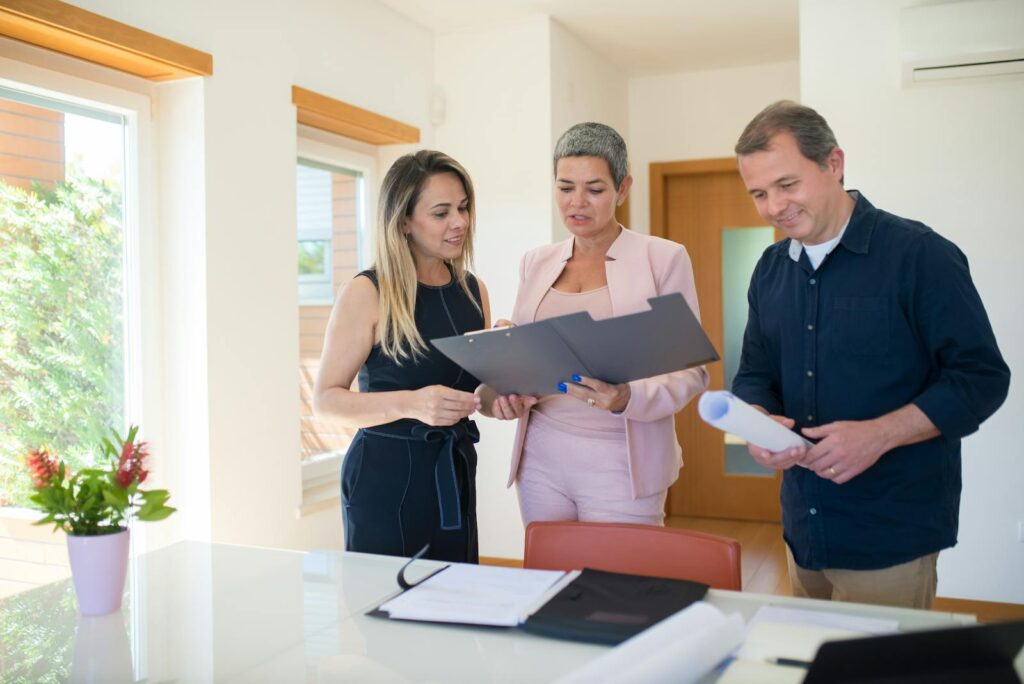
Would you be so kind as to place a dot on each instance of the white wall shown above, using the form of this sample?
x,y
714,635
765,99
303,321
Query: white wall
x,y
584,87
495,83
948,155
183,454
696,115
248,149
509,92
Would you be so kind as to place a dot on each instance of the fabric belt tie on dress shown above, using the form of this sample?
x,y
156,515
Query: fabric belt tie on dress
x,y
455,438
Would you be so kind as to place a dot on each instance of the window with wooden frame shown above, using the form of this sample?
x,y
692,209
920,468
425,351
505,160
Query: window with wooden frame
x,y
338,145
76,170
335,187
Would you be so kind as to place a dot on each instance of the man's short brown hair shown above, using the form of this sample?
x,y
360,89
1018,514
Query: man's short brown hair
x,y
812,133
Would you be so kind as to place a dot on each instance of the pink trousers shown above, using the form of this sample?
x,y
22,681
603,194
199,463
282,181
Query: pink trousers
x,y
567,473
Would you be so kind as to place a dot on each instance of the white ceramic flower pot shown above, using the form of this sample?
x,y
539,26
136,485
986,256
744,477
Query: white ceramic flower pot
x,y
98,567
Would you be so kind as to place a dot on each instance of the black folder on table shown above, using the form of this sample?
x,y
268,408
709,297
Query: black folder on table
x,y
610,607
533,358
596,606
978,654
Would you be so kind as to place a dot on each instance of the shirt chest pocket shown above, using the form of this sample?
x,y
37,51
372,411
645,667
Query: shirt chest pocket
x,y
861,325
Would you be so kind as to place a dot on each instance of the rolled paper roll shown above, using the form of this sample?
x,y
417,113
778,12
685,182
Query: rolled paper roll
x,y
731,414
681,649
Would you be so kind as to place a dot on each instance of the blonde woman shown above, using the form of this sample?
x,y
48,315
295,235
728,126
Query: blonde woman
x,y
408,477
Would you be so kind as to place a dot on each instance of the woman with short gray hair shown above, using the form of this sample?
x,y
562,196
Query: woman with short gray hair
x,y
597,451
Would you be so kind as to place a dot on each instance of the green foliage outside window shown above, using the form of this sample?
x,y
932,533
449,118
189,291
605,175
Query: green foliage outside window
x,y
312,257
61,339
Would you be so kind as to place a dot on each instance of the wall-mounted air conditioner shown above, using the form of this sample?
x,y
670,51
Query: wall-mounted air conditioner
x,y
957,40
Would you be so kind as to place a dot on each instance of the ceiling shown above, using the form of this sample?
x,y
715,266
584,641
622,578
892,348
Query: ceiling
x,y
641,37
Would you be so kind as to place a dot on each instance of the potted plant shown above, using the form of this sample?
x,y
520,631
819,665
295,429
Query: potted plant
x,y
94,506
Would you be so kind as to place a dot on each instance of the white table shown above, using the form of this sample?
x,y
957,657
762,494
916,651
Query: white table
x,y
197,612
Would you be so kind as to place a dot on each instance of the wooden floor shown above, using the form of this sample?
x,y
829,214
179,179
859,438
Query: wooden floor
x,y
763,559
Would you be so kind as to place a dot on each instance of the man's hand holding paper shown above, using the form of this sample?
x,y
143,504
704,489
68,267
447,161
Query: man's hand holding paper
x,y
778,460
770,439
847,448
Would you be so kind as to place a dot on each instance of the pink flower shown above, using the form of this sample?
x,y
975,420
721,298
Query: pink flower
x,y
127,449
44,467
124,477
131,466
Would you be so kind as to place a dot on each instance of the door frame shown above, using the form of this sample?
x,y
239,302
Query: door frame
x,y
661,171
660,174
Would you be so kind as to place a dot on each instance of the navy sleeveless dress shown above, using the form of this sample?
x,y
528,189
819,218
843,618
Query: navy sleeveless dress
x,y
406,484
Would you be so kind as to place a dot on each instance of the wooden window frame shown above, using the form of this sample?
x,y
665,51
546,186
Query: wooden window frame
x,y
70,30
334,116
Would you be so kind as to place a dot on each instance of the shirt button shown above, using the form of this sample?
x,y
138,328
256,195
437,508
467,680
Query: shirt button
x,y
810,327
810,374
812,281
810,417
814,511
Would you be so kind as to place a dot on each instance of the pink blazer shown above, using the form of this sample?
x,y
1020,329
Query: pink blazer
x,y
639,267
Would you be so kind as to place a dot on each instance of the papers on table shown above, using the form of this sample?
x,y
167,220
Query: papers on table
x,y
692,643
796,634
475,594
685,647
856,624
766,641
761,672
583,605
731,414
681,649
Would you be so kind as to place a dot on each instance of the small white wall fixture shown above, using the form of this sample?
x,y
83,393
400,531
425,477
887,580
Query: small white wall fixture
x,y
962,40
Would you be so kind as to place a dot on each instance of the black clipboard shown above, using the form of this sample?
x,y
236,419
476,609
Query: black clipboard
x,y
981,654
532,359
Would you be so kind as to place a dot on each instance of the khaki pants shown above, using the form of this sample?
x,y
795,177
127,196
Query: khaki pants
x,y
908,585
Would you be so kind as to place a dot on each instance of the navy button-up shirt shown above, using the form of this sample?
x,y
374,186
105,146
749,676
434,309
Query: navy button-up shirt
x,y
890,317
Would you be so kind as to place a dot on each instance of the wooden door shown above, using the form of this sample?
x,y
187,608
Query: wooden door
x,y
695,203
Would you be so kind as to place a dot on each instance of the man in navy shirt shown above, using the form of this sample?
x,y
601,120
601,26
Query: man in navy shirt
x,y
867,335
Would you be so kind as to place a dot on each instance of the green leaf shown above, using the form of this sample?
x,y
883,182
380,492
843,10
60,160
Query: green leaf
x,y
111,498
156,514
156,496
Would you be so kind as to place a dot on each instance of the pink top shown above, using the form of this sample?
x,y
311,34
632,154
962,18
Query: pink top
x,y
561,408
639,267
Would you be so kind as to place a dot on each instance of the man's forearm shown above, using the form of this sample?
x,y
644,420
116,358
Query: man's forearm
x,y
907,425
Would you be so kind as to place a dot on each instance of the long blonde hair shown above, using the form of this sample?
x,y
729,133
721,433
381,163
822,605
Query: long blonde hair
x,y
394,264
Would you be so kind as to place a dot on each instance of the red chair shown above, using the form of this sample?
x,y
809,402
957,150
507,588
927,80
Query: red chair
x,y
634,549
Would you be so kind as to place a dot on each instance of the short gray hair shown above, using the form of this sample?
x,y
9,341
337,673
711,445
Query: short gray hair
x,y
592,139
809,128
